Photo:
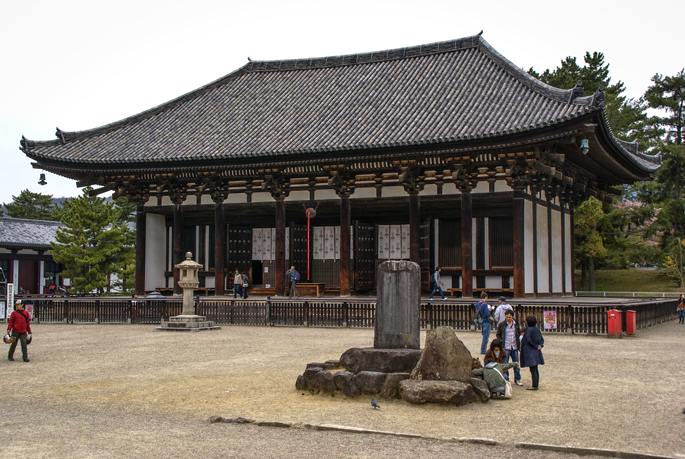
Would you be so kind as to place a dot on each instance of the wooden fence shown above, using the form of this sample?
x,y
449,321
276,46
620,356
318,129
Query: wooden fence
x,y
573,317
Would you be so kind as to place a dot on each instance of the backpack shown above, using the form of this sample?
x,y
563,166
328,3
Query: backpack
x,y
294,275
246,281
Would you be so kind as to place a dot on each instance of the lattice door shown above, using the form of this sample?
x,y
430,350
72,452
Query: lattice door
x,y
364,256
298,249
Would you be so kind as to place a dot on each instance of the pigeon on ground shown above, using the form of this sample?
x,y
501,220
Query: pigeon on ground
x,y
374,404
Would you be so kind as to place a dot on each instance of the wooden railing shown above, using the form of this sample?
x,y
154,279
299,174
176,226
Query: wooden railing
x,y
571,317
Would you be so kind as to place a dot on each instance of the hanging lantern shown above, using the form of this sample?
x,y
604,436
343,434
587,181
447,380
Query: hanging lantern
x,y
42,180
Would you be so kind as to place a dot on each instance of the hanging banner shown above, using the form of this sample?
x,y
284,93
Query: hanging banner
x,y
550,319
6,311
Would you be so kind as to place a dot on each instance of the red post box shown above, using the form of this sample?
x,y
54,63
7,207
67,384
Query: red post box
x,y
631,322
614,325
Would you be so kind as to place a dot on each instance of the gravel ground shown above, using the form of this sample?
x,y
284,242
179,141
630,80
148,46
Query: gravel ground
x,y
126,391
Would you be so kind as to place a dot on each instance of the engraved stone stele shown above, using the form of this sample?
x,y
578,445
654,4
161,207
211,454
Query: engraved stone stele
x,y
188,321
398,306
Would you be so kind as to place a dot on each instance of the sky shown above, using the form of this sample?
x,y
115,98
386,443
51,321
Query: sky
x,y
78,65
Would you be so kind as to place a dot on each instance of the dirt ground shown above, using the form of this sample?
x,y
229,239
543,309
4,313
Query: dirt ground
x,y
126,391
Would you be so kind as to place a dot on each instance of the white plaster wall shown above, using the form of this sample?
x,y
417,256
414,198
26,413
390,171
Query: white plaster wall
x,y
429,190
300,195
493,281
450,188
446,282
206,199
436,238
5,251
210,282
155,251
262,197
481,187
543,255
528,246
361,193
206,266
236,198
41,277
556,252
393,191
170,255
27,252
569,254
321,195
166,201
501,185
15,275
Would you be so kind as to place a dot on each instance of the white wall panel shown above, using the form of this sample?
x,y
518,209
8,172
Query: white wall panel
x,y
383,242
155,251
556,252
543,245
569,254
393,191
528,251
361,193
299,195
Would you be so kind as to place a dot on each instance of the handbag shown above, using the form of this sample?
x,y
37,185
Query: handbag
x,y
508,393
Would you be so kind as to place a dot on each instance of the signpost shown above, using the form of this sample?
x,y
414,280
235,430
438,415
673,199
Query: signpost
x,y
6,311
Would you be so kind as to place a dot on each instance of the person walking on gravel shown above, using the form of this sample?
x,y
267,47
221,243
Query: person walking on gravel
x,y
294,279
437,285
237,284
531,351
681,309
19,326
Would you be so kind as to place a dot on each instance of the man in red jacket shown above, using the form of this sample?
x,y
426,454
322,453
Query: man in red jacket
x,y
19,326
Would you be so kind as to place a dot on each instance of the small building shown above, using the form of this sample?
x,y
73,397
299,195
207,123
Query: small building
x,y
24,257
446,154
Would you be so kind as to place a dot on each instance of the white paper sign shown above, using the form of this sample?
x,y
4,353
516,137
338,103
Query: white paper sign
x,y
10,302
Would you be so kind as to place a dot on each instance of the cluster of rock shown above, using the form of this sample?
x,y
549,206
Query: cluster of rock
x,y
441,373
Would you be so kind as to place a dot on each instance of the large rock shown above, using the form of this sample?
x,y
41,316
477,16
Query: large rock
x,y
454,392
481,389
391,384
398,306
370,382
308,376
300,384
321,381
359,359
445,358
344,381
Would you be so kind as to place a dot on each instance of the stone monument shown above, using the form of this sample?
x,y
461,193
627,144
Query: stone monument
x,y
398,306
188,321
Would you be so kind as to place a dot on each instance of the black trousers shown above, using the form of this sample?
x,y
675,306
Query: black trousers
x,y
18,337
535,375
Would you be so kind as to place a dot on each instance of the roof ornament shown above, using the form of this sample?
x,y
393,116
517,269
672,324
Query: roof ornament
x,y
598,97
60,135
479,33
577,91
26,143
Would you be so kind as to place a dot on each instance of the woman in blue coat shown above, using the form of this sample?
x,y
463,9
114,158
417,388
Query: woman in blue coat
x,y
531,350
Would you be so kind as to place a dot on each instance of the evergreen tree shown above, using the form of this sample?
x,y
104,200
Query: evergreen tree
x,y
94,243
127,257
589,245
35,206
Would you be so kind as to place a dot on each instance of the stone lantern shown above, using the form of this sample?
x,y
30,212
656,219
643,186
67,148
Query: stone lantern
x,y
188,279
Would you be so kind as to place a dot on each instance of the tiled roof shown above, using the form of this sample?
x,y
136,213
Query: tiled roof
x,y
443,92
17,233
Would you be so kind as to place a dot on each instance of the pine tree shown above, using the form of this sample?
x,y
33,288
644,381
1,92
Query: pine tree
x,y
94,243
35,206
589,245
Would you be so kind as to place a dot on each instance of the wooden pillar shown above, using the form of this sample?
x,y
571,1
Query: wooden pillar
x,y
344,246
140,251
279,281
219,247
519,237
179,256
563,247
414,227
466,244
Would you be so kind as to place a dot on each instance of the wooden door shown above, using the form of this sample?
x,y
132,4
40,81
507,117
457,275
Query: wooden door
x,y
28,276
298,249
364,256
239,251
424,254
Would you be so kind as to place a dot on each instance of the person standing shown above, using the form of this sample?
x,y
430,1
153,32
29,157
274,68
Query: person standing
x,y
294,278
19,326
245,285
237,284
509,333
681,309
501,309
436,284
484,315
531,351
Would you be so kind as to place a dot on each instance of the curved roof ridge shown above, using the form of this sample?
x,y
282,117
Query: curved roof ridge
x,y
560,95
32,220
631,149
64,136
365,58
